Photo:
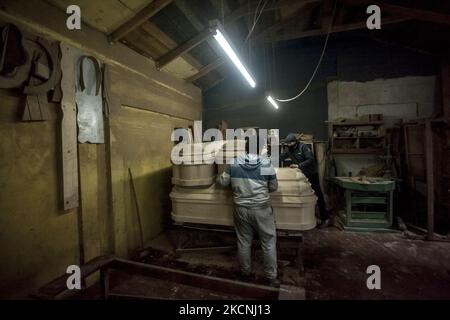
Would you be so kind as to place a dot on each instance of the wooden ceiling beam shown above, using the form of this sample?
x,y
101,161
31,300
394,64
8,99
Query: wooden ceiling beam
x,y
274,28
236,14
219,80
418,14
326,15
138,19
271,30
223,10
281,24
335,29
341,15
206,69
185,47
170,44
244,11
196,22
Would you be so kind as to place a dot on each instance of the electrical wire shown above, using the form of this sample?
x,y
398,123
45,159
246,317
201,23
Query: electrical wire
x,y
274,59
223,13
265,67
255,19
256,10
320,59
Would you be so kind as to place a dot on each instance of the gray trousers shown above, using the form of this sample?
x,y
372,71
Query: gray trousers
x,y
259,220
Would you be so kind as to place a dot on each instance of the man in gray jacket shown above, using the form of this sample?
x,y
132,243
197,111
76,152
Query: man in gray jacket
x,y
252,178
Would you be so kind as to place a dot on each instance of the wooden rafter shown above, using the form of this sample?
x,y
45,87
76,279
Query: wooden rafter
x,y
206,69
229,20
170,44
281,24
223,10
219,80
341,14
326,14
318,32
185,47
196,22
414,13
139,18
243,11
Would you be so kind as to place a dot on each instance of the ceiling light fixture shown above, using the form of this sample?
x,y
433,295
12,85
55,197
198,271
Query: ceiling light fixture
x,y
233,57
272,102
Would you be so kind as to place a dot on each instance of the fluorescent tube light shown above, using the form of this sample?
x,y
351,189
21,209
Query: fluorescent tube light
x,y
232,55
272,102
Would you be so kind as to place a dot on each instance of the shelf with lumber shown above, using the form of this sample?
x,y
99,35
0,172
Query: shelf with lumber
x,y
352,137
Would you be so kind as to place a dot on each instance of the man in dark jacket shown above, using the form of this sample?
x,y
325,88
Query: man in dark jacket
x,y
252,178
302,157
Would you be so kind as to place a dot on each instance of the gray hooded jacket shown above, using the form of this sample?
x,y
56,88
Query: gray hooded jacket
x,y
251,178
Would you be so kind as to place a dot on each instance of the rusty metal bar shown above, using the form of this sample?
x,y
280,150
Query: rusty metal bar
x,y
106,264
243,289
59,286
205,249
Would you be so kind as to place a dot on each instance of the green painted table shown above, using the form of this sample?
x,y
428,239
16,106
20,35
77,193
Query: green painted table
x,y
369,203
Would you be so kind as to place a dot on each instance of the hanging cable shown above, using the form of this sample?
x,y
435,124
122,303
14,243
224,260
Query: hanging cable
x,y
223,13
256,19
256,10
269,67
320,59
274,59
265,67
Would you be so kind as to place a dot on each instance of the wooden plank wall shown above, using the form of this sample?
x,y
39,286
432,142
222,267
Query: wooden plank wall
x,y
146,106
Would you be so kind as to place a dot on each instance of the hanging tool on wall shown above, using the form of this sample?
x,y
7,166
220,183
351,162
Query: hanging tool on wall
x,y
13,54
36,105
31,63
44,75
46,66
81,88
89,100
15,59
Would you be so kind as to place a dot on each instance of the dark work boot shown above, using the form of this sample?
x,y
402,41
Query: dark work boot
x,y
244,276
324,223
273,282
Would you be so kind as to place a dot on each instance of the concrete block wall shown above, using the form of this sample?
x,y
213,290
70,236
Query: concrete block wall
x,y
398,98
406,97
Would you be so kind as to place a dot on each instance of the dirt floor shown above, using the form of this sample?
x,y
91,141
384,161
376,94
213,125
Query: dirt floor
x,y
335,264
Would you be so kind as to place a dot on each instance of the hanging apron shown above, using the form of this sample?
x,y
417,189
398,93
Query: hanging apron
x,y
89,99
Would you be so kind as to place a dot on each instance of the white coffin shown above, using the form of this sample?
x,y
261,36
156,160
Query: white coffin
x,y
293,203
193,175
203,161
